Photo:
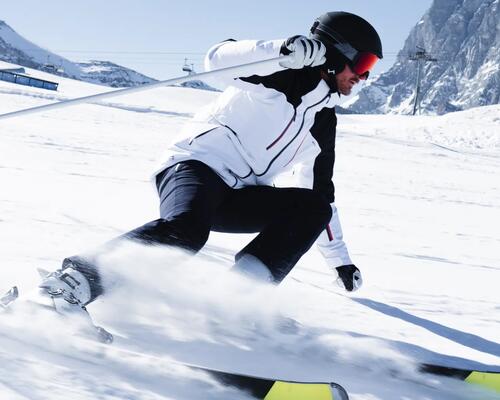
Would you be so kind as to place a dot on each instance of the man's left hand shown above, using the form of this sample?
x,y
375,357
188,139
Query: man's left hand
x,y
349,277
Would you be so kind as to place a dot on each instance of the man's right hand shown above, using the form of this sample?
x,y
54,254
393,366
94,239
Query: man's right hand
x,y
302,52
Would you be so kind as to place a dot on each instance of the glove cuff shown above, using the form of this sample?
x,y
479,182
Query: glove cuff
x,y
285,49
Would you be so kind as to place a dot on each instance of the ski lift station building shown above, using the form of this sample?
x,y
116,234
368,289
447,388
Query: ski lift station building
x,y
17,76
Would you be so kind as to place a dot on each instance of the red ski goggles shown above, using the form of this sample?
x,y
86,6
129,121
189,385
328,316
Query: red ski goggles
x,y
363,63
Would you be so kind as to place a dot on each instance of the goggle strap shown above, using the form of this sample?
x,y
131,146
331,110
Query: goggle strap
x,y
347,50
341,44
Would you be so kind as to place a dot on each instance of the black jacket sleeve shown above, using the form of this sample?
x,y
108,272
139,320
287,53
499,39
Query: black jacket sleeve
x,y
324,131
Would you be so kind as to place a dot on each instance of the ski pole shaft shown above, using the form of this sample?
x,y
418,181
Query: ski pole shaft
x,y
236,69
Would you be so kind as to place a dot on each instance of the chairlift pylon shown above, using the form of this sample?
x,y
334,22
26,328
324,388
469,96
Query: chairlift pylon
x,y
186,67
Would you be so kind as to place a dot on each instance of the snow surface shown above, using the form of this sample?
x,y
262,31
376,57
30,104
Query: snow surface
x,y
420,203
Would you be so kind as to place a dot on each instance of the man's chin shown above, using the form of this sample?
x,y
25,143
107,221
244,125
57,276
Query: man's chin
x,y
346,92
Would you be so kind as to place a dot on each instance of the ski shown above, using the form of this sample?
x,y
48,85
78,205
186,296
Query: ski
x,y
275,389
487,379
270,389
259,387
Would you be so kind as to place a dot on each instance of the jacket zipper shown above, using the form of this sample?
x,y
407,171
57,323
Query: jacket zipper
x,y
284,131
296,135
296,151
283,149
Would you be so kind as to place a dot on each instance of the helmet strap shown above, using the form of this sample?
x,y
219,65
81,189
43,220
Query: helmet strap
x,y
330,79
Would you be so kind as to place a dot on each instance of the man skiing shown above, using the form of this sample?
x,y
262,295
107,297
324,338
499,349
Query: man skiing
x,y
220,178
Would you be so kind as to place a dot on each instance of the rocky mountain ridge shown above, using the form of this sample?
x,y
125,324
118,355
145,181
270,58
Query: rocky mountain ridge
x,y
464,37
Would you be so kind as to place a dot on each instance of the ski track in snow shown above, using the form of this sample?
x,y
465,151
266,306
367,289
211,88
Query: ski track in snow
x,y
418,215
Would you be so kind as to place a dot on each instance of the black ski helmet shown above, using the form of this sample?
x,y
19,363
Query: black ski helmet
x,y
345,35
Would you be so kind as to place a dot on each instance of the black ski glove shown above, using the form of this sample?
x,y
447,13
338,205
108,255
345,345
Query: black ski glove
x,y
349,277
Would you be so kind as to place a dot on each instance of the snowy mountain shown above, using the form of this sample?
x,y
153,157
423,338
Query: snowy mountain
x,y
418,197
15,49
464,37
197,84
110,74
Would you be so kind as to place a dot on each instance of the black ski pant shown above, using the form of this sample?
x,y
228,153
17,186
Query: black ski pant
x,y
194,200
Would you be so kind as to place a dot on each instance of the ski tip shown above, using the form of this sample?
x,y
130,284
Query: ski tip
x,y
43,272
104,336
338,392
14,292
9,297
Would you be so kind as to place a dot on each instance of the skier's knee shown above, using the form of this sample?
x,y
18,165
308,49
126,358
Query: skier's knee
x,y
181,232
195,239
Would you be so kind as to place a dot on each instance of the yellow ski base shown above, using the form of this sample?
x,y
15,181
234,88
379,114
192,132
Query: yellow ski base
x,y
488,380
298,391
272,389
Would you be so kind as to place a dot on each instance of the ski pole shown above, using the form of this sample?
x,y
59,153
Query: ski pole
x,y
236,69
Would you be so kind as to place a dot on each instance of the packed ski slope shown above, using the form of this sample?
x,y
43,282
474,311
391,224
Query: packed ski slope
x,y
419,199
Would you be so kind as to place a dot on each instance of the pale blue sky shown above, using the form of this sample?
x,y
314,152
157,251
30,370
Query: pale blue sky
x,y
154,36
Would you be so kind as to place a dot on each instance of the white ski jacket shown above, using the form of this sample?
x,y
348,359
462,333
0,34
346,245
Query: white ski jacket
x,y
265,124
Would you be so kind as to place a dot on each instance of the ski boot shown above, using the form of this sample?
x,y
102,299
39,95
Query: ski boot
x,y
69,291
65,292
